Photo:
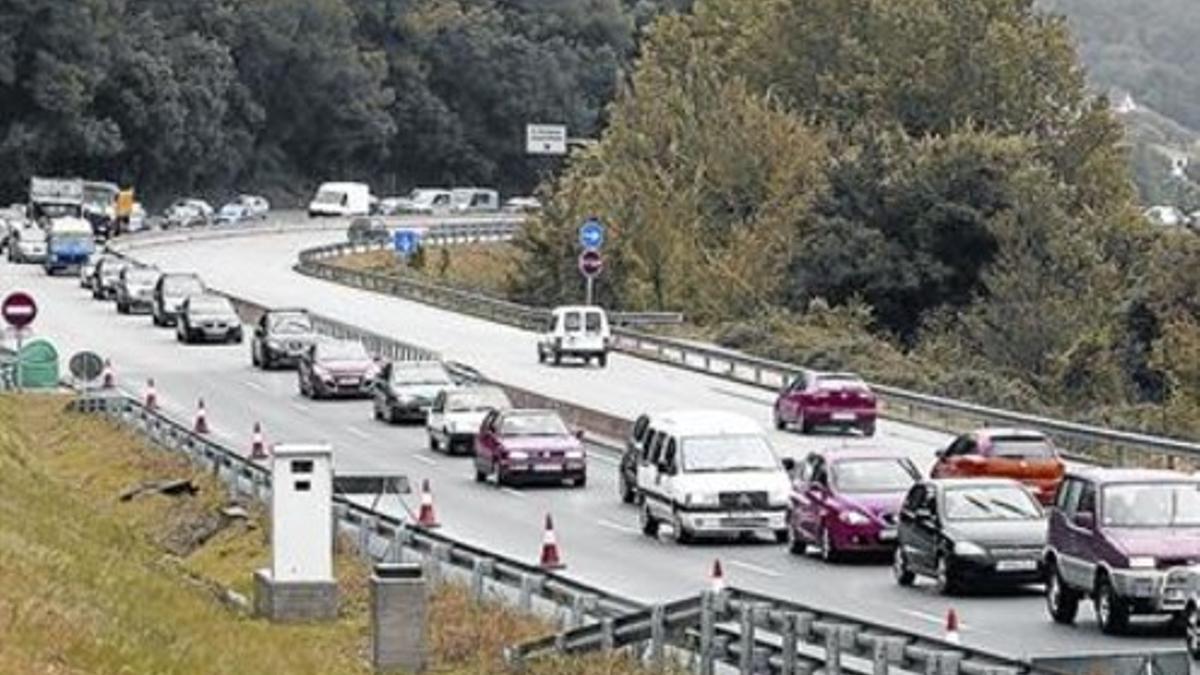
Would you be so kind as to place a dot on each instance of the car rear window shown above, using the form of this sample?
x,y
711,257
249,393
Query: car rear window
x,y
592,320
1022,447
840,383
571,321
873,475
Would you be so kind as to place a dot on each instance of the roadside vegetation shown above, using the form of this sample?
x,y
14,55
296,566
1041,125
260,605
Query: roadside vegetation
x,y
91,583
485,268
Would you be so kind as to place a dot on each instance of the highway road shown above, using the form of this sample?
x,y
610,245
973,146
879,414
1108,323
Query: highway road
x,y
599,536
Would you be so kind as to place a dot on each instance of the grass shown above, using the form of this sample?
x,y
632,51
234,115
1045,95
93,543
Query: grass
x,y
485,268
93,584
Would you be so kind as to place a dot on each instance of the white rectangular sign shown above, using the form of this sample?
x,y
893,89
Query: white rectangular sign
x,y
546,139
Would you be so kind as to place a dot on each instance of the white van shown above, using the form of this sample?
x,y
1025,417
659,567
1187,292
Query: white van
x,y
577,331
341,199
706,472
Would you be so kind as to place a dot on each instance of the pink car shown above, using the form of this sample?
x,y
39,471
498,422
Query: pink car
x,y
815,399
847,501
528,446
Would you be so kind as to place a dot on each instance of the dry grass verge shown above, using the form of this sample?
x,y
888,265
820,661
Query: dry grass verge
x,y
484,268
88,585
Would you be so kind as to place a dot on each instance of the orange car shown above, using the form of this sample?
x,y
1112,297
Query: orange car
x,y
1021,454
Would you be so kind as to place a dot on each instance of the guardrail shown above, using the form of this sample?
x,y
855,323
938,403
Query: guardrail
x,y
1096,444
750,632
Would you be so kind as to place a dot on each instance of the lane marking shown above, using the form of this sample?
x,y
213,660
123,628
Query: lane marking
x,y
299,406
359,432
603,459
756,569
617,526
254,385
427,460
931,618
512,493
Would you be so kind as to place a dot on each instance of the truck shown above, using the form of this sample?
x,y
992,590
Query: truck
x,y
51,198
100,207
70,242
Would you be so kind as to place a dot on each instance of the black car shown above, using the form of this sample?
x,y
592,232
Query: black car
x,y
208,318
975,533
170,292
281,337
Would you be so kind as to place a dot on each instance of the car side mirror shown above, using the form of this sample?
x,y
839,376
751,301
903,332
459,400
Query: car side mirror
x,y
579,434
789,465
941,454
1084,520
923,515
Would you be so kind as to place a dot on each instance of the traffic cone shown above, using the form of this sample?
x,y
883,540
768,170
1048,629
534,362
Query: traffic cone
x,y
426,517
258,450
201,425
951,626
109,380
717,578
551,560
151,400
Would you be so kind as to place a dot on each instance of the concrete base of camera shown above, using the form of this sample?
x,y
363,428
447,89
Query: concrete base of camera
x,y
294,601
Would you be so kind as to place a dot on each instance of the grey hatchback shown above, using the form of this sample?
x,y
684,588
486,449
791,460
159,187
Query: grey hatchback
x,y
1127,538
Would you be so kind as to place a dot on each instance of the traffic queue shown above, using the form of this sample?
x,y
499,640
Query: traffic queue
x,y
999,507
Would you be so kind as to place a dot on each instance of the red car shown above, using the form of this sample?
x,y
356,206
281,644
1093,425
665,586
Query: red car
x,y
528,445
1020,454
826,400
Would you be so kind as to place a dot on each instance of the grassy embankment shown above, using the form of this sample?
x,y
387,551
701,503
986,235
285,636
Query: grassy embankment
x,y
93,584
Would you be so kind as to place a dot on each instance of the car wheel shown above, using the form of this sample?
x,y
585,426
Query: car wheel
x,y
433,443
781,536
581,482
557,358
1112,612
679,533
777,419
868,428
900,569
829,552
122,308
947,583
800,423
602,360
480,474
255,359
648,523
1192,630
541,355
627,491
796,543
1061,601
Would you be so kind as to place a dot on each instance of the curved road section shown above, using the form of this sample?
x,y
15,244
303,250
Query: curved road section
x,y
599,535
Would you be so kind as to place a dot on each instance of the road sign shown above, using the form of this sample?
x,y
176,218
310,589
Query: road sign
x,y
545,139
19,309
405,241
591,233
591,263
86,366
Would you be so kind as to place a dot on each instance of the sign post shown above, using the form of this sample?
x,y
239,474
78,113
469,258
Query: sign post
x,y
19,310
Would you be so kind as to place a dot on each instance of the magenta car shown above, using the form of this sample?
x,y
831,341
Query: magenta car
x,y
846,501
528,446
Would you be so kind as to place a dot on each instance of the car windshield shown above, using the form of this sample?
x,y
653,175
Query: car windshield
x,y
540,424
209,304
329,197
1152,505
58,210
1022,447
290,324
182,286
231,210
342,351
728,453
112,270
433,373
476,399
142,276
998,502
873,475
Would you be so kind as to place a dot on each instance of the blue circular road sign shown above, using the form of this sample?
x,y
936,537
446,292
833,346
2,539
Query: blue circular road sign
x,y
591,233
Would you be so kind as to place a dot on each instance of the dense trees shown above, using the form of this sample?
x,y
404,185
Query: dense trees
x,y
273,95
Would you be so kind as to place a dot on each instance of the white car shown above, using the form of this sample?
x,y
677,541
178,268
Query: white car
x,y
256,207
576,331
188,213
456,415
27,243
426,201
708,472
523,205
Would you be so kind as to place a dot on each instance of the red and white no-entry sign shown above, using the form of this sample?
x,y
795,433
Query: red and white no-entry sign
x,y
19,309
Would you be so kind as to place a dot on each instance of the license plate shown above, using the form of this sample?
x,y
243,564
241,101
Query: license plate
x,y
348,382
548,468
887,535
844,416
1016,566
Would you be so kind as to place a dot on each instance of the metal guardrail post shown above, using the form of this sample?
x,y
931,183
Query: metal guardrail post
x,y
481,569
790,640
708,624
608,638
581,605
746,649
530,585
658,636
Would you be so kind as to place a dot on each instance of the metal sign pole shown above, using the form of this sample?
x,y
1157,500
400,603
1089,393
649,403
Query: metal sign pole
x,y
20,365
590,284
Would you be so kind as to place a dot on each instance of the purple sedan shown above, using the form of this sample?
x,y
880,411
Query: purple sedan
x,y
846,501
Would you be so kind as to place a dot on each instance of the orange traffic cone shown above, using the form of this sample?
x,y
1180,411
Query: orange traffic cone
x,y
426,517
151,399
717,578
551,560
109,379
952,626
201,425
258,450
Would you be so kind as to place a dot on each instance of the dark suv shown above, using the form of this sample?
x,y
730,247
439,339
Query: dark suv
x,y
281,336
1128,539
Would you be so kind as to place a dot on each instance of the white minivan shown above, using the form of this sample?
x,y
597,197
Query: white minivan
x,y
341,199
576,331
709,472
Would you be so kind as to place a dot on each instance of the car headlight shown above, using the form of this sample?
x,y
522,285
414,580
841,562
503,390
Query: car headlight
x,y
854,518
322,373
780,498
969,549
518,454
574,454
701,499
1142,562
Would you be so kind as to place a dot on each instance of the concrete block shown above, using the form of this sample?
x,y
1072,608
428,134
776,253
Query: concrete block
x,y
294,601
